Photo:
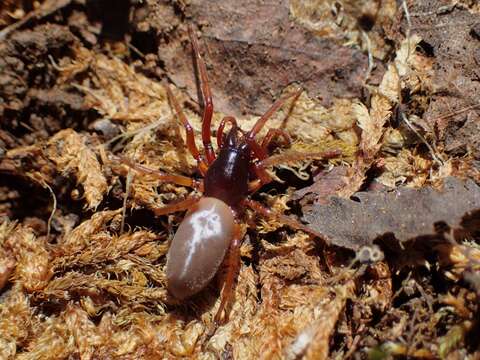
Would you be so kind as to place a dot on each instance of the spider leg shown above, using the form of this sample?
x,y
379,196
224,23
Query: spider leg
x,y
263,177
189,130
181,205
255,185
227,119
257,149
261,151
271,214
233,263
276,105
271,134
175,179
207,98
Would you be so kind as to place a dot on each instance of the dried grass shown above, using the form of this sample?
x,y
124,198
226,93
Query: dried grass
x,y
70,152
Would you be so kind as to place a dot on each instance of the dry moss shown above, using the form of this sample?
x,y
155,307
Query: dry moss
x,y
92,288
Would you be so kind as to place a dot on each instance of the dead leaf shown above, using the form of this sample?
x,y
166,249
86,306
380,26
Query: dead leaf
x,y
325,184
253,58
406,213
455,57
372,124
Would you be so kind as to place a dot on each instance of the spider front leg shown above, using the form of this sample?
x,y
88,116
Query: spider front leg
x,y
261,151
271,134
276,105
207,99
263,177
298,156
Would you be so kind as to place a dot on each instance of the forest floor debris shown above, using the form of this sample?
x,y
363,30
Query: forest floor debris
x,y
390,90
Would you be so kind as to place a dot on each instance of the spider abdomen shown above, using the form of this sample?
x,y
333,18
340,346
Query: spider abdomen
x,y
198,247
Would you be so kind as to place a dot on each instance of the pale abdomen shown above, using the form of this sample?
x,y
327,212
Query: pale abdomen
x,y
199,247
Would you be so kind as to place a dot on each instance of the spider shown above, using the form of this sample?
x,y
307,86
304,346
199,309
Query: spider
x,y
212,225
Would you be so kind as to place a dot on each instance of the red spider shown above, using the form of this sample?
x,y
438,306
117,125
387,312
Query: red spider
x,y
212,223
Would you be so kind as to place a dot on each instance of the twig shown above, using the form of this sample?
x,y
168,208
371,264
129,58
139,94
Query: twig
x,y
409,26
125,198
54,209
54,63
47,8
430,148
458,112
370,56
135,50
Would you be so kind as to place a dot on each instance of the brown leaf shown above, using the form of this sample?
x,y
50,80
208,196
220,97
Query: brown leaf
x,y
372,124
253,58
407,213
456,58
326,184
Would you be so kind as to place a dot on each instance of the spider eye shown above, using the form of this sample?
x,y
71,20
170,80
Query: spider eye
x,y
232,138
